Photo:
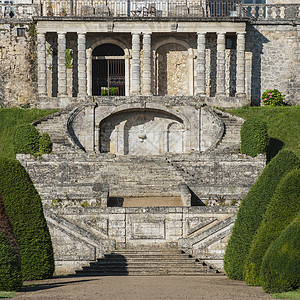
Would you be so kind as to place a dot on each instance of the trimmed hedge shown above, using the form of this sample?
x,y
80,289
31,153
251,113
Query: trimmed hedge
x,y
24,209
252,209
281,263
45,144
26,139
281,211
10,262
254,137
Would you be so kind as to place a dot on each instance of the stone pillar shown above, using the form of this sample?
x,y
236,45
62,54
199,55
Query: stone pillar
x,y
200,74
240,65
146,64
220,64
62,69
127,74
135,65
42,69
82,65
89,72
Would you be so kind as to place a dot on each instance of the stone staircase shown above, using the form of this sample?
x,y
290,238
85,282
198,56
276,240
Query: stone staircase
x,y
137,176
232,126
54,125
141,262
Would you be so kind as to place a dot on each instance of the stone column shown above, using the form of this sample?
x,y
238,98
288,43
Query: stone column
x,y
62,69
240,65
200,74
135,65
127,74
146,64
89,72
82,65
42,69
220,63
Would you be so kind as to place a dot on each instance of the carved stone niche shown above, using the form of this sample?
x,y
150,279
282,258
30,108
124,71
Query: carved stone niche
x,y
142,132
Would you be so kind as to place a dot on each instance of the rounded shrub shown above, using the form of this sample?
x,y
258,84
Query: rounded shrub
x,y
254,137
252,209
24,209
45,144
10,262
281,211
26,139
272,98
281,263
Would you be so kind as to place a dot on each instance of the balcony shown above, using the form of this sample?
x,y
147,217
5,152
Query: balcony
x,y
141,9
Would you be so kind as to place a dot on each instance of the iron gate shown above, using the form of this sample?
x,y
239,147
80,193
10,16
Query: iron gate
x,y
108,77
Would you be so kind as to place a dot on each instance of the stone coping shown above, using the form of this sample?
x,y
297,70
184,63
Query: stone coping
x,y
145,210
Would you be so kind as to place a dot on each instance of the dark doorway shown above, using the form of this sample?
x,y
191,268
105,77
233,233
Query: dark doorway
x,y
108,71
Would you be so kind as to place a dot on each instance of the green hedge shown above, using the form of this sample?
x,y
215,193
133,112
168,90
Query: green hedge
x,y
281,211
45,144
26,139
252,209
281,263
24,209
254,137
10,263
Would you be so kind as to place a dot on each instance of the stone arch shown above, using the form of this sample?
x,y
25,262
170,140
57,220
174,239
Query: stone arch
x,y
175,137
173,67
125,65
141,132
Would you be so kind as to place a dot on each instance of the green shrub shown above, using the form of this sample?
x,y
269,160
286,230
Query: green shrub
x,y
252,209
281,211
272,98
26,139
45,144
24,209
113,91
254,137
10,262
281,263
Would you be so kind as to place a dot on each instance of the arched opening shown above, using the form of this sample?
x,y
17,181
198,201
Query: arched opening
x,y
108,71
141,132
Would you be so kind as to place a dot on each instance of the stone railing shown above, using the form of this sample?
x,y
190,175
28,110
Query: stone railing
x,y
18,11
272,11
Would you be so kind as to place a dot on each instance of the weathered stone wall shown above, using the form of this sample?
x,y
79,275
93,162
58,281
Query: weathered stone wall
x,y
17,64
276,59
83,234
211,176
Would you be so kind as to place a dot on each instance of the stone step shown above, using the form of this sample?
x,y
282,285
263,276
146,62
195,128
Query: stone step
x,y
141,262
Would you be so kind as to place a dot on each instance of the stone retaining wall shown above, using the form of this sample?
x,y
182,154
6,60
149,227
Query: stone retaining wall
x,y
80,235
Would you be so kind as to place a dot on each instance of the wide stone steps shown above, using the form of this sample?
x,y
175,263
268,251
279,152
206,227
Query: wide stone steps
x,y
146,262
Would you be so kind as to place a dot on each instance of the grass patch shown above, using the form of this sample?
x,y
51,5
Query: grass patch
x,y
283,126
287,295
12,117
7,294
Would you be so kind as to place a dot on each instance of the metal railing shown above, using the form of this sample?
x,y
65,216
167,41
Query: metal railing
x,y
139,8
150,8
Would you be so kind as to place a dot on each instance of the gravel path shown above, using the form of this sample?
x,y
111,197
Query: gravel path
x,y
140,288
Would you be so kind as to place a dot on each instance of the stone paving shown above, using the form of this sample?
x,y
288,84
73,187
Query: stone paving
x,y
140,288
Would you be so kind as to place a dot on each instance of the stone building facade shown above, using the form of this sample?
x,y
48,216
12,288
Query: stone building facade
x,y
192,49
138,150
